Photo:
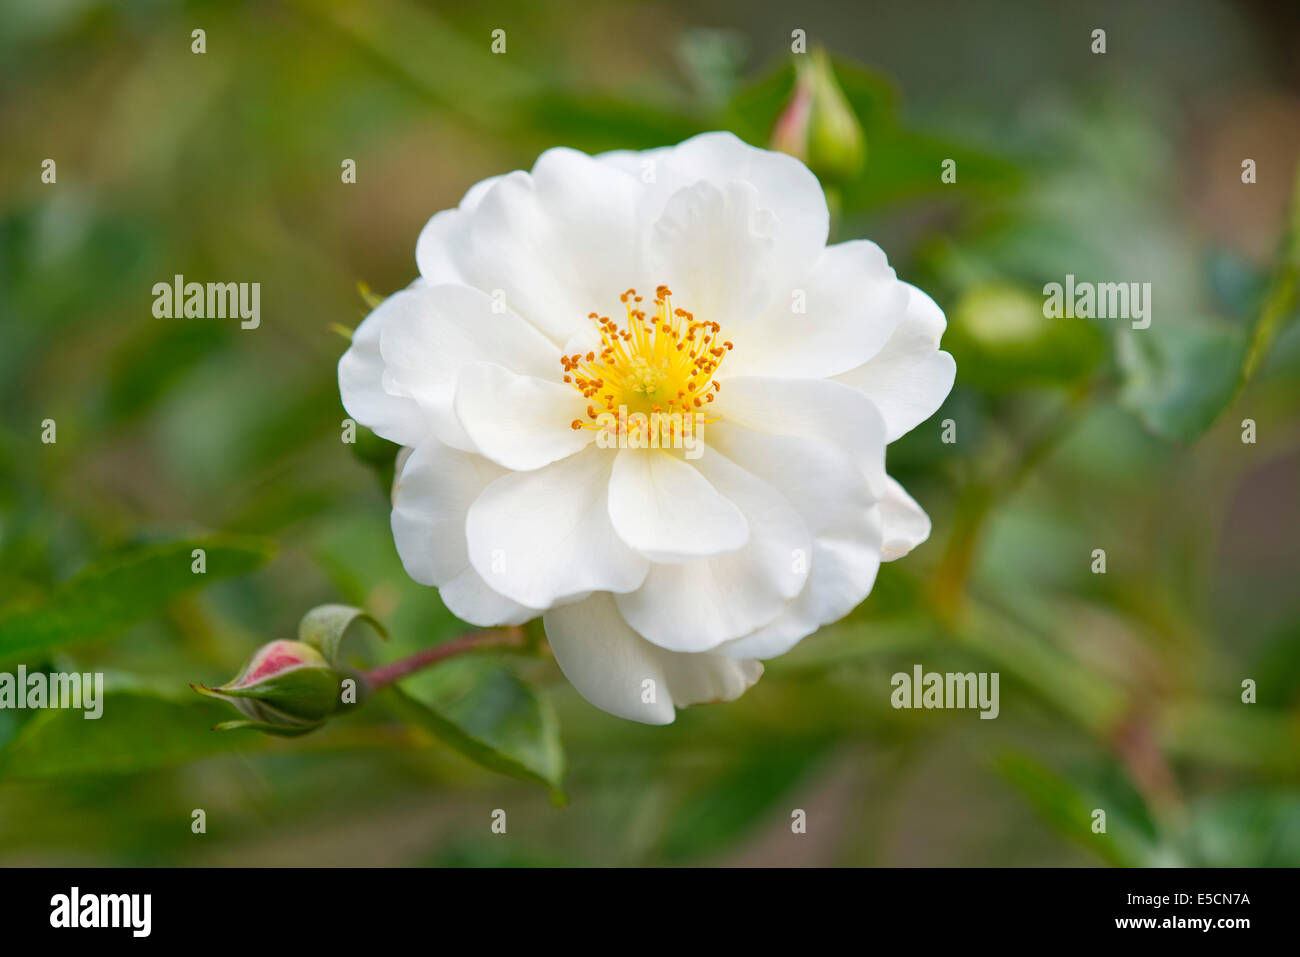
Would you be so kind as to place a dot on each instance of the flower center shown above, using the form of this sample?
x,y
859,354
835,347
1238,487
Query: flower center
x,y
660,364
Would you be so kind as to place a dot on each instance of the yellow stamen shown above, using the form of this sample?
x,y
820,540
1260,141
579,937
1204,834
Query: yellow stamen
x,y
663,363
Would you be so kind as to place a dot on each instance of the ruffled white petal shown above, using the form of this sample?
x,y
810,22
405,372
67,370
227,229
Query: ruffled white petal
x,y
909,378
544,537
641,164
784,186
470,599
664,508
432,493
520,422
714,245
442,244
839,509
620,672
696,606
395,417
838,317
430,334
815,408
905,523
558,243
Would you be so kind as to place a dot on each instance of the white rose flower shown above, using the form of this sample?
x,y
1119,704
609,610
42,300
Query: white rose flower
x,y
683,480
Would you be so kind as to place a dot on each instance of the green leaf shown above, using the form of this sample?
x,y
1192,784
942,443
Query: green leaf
x,y
906,165
714,816
123,589
1069,811
487,713
594,122
1230,736
324,626
1246,830
139,729
153,361
1180,374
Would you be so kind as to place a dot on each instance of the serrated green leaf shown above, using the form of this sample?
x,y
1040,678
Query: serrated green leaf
x,y
123,589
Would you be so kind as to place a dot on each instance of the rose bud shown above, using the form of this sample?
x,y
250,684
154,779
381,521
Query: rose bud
x,y
287,688
818,125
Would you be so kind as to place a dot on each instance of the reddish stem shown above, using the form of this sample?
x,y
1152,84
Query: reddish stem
x,y
474,641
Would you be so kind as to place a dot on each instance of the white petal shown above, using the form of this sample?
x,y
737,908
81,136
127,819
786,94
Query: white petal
x,y
714,246
545,536
665,509
697,605
433,332
559,242
431,496
441,246
617,670
840,316
641,164
471,599
520,422
815,408
784,185
399,463
460,325
395,417
838,507
909,378
905,523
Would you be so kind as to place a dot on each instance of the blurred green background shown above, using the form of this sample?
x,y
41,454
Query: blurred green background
x,y
1119,691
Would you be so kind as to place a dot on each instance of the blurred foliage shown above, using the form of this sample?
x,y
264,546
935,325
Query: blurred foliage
x,y
1119,691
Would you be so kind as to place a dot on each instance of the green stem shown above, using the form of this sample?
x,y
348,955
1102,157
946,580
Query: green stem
x,y
978,499
1280,302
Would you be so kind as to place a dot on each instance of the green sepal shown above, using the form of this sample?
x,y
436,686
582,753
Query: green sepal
x,y
284,731
325,625
305,692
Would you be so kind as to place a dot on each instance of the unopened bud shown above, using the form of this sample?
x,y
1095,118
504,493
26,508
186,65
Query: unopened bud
x,y
287,688
818,125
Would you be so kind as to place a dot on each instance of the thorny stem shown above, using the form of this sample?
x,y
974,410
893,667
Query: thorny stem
x,y
512,637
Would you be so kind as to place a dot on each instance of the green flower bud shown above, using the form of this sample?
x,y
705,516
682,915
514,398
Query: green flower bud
x,y
286,688
818,125
1003,342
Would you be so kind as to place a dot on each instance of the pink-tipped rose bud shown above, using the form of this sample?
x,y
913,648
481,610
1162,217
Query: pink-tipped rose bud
x,y
818,125
286,688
